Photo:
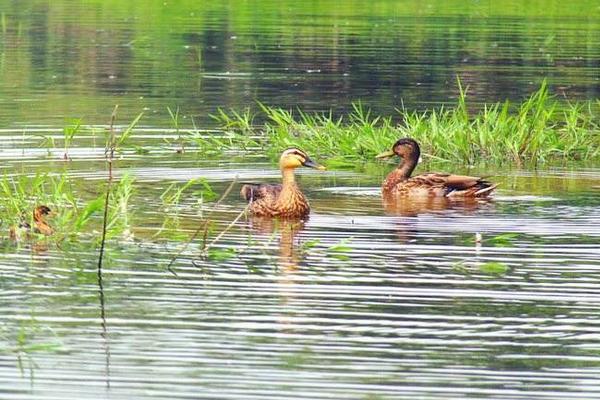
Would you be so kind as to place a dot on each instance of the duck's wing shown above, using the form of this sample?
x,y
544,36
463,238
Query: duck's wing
x,y
258,191
455,185
468,186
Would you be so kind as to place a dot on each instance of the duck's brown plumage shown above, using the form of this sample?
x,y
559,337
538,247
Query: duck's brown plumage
x,y
285,199
39,224
399,182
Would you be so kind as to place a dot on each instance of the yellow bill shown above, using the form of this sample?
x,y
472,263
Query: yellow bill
x,y
385,154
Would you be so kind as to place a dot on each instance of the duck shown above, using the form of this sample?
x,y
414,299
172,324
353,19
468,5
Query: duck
x,y
40,225
399,183
284,200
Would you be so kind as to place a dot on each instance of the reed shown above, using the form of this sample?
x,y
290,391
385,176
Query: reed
x,y
69,133
114,144
177,126
537,130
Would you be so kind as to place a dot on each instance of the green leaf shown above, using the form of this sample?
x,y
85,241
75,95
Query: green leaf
x,y
90,209
309,244
494,268
504,239
127,132
220,254
338,250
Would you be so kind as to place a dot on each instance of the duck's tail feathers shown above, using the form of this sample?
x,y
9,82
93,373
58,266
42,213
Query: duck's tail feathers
x,y
249,191
484,192
481,189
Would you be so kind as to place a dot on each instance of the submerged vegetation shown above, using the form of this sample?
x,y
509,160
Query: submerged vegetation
x,y
538,130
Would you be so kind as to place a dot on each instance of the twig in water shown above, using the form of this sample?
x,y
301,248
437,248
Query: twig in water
x,y
227,228
203,228
110,152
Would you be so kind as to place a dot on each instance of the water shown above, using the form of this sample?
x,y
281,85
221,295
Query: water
x,y
362,301
65,60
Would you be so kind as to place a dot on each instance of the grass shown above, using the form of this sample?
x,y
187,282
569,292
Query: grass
x,y
71,215
69,133
176,125
538,130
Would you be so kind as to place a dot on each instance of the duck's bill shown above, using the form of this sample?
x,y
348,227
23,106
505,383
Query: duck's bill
x,y
311,164
385,154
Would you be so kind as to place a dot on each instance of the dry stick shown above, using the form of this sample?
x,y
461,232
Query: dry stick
x,y
204,228
227,228
110,150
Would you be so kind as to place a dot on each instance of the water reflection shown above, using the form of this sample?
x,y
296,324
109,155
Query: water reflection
x,y
62,61
288,230
412,207
289,255
104,326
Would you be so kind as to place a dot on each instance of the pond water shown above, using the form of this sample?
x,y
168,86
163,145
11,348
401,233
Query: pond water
x,y
61,59
361,301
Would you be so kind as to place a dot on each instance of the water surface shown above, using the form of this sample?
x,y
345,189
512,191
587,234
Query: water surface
x,y
63,60
362,300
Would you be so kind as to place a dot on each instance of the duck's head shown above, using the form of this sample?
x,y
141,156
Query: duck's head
x,y
41,211
405,148
294,158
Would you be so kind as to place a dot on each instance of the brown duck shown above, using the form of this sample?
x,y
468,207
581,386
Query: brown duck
x,y
282,200
39,224
399,182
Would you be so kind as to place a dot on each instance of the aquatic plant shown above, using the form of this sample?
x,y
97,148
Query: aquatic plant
x,y
92,207
537,130
22,194
70,215
204,229
340,250
69,133
175,122
27,338
119,223
48,142
171,196
113,145
70,130
239,133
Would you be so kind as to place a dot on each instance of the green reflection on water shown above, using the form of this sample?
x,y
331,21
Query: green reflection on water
x,y
63,60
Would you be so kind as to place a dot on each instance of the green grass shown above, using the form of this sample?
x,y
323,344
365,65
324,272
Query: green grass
x,y
70,214
538,130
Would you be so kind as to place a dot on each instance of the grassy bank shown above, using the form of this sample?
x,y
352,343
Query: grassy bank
x,y
537,130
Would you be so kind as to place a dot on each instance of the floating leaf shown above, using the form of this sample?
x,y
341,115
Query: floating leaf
x,y
309,244
494,268
338,250
504,239
220,254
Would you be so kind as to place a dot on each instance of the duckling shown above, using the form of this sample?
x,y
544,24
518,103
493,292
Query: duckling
x,y
39,222
399,182
285,199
